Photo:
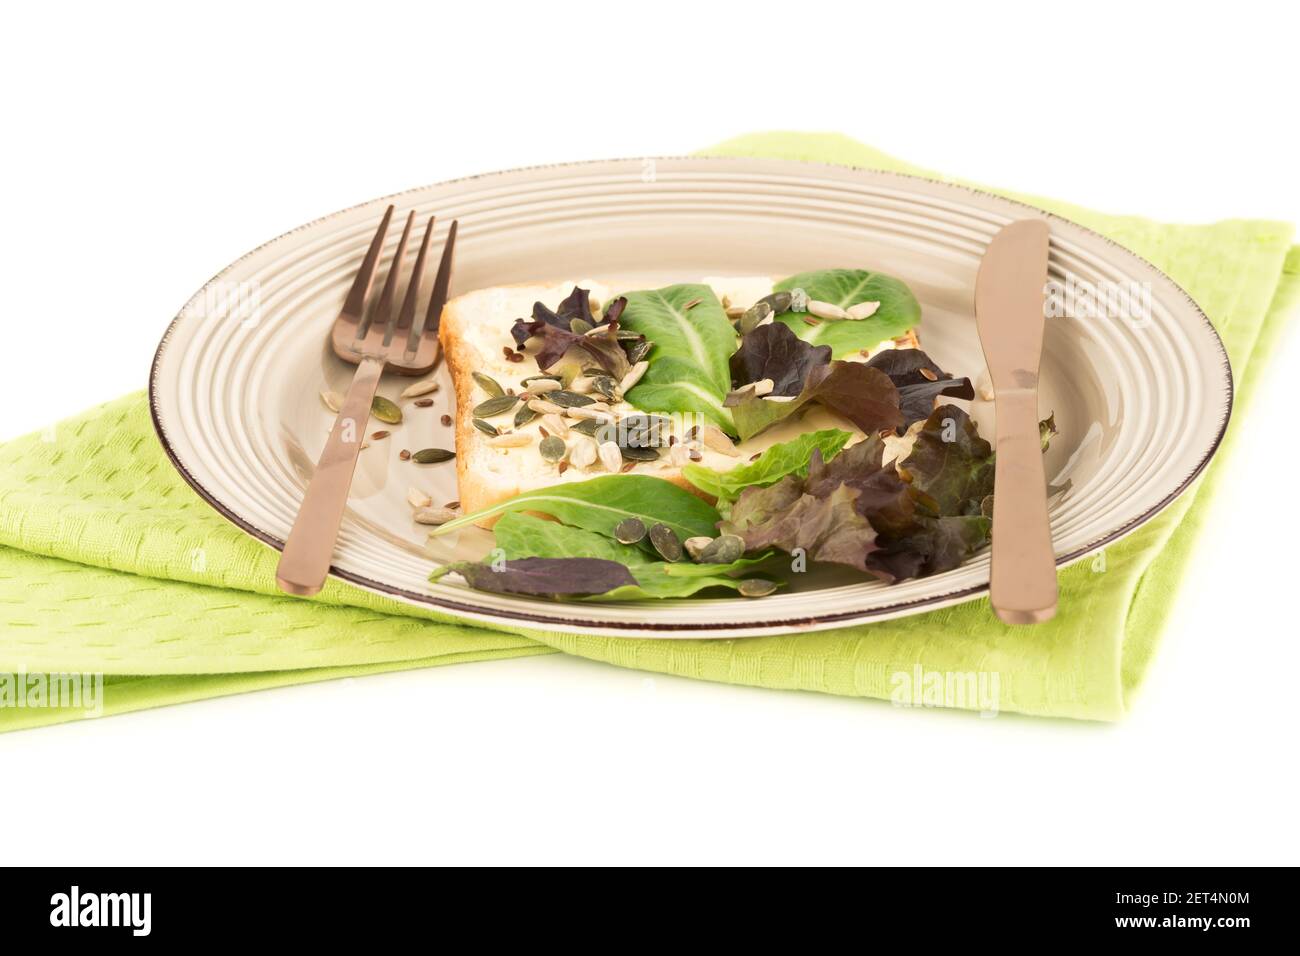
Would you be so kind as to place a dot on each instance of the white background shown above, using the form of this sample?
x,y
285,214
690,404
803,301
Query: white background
x,y
146,147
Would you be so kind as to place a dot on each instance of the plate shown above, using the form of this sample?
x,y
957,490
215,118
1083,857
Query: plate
x,y
1141,390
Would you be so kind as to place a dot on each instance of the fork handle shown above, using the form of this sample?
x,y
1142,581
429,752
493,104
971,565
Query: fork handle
x,y
305,562
1022,586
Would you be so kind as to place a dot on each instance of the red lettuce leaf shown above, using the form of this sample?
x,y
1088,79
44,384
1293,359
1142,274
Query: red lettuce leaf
x,y
783,516
950,464
917,390
544,576
773,351
554,329
865,396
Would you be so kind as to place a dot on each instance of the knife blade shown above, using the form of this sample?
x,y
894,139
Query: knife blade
x,y
1009,313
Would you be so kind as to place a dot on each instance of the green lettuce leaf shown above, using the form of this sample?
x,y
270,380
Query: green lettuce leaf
x,y
693,342
775,463
898,312
599,504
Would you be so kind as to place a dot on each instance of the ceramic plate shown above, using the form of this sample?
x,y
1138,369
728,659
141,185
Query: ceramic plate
x,y
1141,392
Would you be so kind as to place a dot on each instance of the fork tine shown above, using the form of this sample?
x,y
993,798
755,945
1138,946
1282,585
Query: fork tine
x,y
407,315
440,284
356,301
383,310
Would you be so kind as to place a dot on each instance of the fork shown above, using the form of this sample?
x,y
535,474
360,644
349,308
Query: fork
x,y
375,340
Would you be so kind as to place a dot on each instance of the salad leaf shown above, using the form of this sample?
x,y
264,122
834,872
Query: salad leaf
x,y
950,464
521,535
884,498
774,352
693,341
863,395
784,516
558,338
919,382
933,545
542,576
791,457
898,312
599,504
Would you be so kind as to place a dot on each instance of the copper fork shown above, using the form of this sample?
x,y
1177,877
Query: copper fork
x,y
373,340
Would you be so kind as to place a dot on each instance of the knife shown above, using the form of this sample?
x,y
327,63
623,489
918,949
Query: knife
x,y
1009,314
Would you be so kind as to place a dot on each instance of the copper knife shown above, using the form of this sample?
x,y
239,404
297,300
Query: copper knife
x,y
1009,313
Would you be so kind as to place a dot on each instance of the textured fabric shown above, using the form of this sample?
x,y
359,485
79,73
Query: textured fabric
x,y
110,564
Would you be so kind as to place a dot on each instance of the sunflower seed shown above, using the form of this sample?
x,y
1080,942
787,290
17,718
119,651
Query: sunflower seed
x,y
735,311
511,440
582,384
583,454
333,400
417,498
487,428
553,448
715,438
427,387
679,455
610,456
826,310
798,300
386,410
695,546
542,407
629,531
567,399
723,550
763,387
489,385
754,317
863,310
594,414
436,515
495,406
632,377
756,587
431,456
555,424
666,542
540,386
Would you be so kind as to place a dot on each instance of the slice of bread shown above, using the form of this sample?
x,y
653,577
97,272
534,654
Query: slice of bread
x,y
475,337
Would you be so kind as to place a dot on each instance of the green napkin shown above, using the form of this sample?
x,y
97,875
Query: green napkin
x,y
110,565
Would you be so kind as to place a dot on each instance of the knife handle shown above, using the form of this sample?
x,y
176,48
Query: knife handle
x,y
1022,586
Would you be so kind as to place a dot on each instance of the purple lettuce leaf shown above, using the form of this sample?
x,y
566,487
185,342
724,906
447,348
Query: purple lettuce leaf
x,y
772,351
554,328
543,576
919,382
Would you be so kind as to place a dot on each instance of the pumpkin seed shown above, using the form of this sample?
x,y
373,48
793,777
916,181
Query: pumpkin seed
x,y
489,385
666,542
487,428
695,546
723,550
778,301
636,453
755,314
756,587
431,456
580,326
524,416
553,448
495,406
568,399
606,386
427,387
587,426
333,400
863,310
629,531
386,410
639,351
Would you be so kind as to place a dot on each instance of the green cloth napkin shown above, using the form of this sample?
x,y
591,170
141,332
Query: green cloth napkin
x,y
109,564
